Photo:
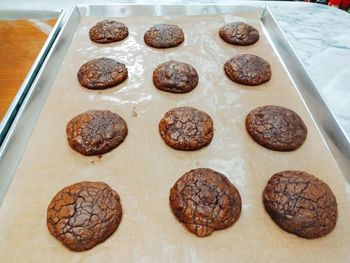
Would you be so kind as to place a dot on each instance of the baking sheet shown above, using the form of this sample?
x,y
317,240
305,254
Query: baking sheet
x,y
143,168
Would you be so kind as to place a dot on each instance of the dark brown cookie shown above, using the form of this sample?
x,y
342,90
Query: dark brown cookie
x,y
102,73
276,128
301,204
204,200
239,33
248,69
108,31
186,128
96,132
84,214
175,77
164,36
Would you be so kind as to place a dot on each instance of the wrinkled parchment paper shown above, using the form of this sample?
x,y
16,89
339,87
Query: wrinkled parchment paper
x,y
143,169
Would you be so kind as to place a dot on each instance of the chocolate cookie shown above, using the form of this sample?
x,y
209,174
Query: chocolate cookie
x,y
102,73
96,132
276,128
186,128
248,69
108,31
84,214
301,204
204,200
239,33
164,36
175,77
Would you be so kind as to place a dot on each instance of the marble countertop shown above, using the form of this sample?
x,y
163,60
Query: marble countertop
x,y
319,34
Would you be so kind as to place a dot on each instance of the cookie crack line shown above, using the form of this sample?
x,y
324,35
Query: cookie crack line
x,y
186,128
164,36
276,128
108,31
204,200
248,69
175,77
95,213
96,132
102,73
309,211
184,134
239,33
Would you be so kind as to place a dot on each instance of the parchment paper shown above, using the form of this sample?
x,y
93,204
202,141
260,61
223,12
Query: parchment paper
x,y
143,168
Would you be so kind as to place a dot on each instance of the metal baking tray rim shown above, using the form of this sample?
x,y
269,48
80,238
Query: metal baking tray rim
x,y
18,101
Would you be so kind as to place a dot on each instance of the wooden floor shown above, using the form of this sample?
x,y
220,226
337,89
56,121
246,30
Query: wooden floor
x,y
21,41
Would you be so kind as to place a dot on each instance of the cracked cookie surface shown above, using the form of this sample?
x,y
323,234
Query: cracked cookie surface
x,y
164,36
84,214
248,69
102,73
204,200
276,128
175,77
96,132
301,204
186,128
239,33
108,31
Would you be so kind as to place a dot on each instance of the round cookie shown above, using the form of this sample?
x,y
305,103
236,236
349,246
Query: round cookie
x,y
186,128
84,214
248,69
108,31
276,128
175,77
239,33
102,73
301,204
164,36
96,132
204,201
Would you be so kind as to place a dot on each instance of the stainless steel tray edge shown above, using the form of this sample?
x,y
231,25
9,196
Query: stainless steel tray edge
x,y
26,85
117,10
26,114
15,142
332,132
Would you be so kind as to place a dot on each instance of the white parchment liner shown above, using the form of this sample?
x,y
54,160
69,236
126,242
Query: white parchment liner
x,y
143,168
